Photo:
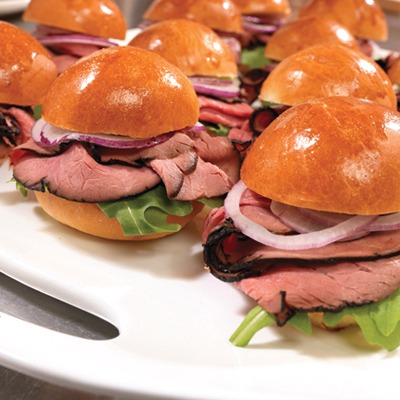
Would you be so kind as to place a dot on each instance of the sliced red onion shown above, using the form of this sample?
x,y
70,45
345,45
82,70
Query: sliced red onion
x,y
387,222
48,135
227,88
263,19
317,239
259,28
81,39
324,217
293,218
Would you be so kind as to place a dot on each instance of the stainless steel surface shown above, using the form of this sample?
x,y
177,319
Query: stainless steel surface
x,y
32,306
21,301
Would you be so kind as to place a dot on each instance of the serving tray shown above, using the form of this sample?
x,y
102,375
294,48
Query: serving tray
x,y
174,321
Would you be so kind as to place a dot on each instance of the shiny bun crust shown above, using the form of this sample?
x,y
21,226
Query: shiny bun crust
x,y
27,70
363,18
222,15
122,90
394,72
88,218
194,48
338,154
264,7
327,70
306,32
101,18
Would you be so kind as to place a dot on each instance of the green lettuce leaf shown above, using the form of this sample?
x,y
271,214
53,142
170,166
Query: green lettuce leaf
x,y
214,202
254,321
37,112
254,58
147,212
379,322
20,187
216,129
258,318
302,323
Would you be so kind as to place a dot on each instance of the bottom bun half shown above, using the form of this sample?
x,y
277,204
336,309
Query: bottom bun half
x,y
88,218
317,320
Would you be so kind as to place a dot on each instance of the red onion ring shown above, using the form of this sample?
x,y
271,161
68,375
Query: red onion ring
x,y
263,19
259,28
48,135
215,87
388,222
343,230
303,222
294,218
324,217
81,39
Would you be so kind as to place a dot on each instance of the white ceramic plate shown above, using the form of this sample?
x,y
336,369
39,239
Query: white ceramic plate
x,y
8,7
174,320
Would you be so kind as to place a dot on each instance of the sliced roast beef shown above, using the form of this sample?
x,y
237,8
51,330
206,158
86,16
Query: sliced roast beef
x,y
216,117
15,127
286,289
191,165
198,165
241,135
227,114
66,54
366,46
75,49
218,151
343,274
177,162
234,109
234,45
75,175
232,256
206,180
232,115
63,61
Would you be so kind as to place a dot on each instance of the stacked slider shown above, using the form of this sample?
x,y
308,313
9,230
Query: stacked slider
x,y
73,29
320,71
210,65
310,232
26,72
119,153
295,35
261,18
364,19
220,15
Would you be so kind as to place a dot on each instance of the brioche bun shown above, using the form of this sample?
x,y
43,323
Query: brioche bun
x,y
193,47
327,70
122,90
88,218
394,72
306,32
101,18
334,154
221,15
264,7
317,320
363,18
27,70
